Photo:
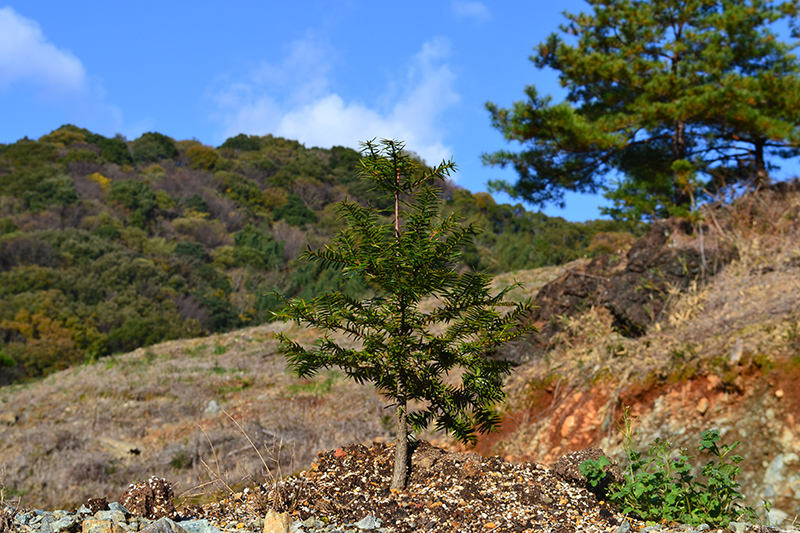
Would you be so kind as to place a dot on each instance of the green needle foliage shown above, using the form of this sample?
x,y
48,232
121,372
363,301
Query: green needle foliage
x,y
409,255
658,91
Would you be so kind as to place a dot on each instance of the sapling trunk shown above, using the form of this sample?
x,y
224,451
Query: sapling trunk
x,y
401,439
400,448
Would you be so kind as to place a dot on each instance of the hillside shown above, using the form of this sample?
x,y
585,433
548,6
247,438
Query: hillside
x,y
720,348
108,245
69,436
721,352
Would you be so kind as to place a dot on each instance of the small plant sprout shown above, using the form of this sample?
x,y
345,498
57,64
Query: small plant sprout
x,y
407,255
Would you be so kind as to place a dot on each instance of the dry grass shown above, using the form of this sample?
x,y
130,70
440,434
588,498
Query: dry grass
x,y
153,400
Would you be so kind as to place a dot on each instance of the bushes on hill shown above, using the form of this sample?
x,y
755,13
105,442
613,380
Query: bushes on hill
x,y
137,197
153,146
98,255
295,212
245,143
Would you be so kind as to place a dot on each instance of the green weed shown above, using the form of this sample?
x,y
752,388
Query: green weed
x,y
219,349
316,387
660,486
197,350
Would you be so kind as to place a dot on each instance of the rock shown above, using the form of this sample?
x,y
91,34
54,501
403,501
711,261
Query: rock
x,y
112,516
624,527
702,406
568,426
212,409
776,517
736,352
163,525
633,291
101,526
151,499
46,523
309,524
277,522
737,527
67,524
116,506
777,478
368,522
199,526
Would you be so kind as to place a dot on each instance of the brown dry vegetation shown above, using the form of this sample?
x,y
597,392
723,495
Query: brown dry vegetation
x,y
724,352
75,430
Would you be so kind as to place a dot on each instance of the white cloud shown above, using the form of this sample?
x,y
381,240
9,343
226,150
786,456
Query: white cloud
x,y
471,10
295,99
26,55
30,64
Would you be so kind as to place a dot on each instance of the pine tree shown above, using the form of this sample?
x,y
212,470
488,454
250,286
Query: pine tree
x,y
408,256
654,85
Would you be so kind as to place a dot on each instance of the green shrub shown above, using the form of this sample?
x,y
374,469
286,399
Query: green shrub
x,y
153,146
27,153
193,250
6,361
137,196
257,249
660,486
7,225
108,232
197,203
242,190
245,143
295,212
81,154
222,314
65,135
202,157
141,331
54,190
114,150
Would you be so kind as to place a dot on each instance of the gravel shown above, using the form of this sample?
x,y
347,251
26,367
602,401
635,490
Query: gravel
x,y
347,491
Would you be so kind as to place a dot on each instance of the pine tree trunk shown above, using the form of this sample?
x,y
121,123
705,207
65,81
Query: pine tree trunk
x,y
679,196
401,449
761,177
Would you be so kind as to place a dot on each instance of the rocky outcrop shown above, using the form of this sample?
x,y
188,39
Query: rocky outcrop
x,y
634,288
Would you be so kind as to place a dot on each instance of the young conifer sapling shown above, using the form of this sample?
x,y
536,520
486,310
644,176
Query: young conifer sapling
x,y
409,256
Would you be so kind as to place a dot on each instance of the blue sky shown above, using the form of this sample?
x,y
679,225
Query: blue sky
x,y
321,72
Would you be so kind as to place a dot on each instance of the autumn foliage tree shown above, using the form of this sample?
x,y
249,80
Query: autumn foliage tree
x,y
661,93
408,255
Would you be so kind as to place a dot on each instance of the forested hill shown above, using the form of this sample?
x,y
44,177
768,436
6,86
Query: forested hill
x,y
107,245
